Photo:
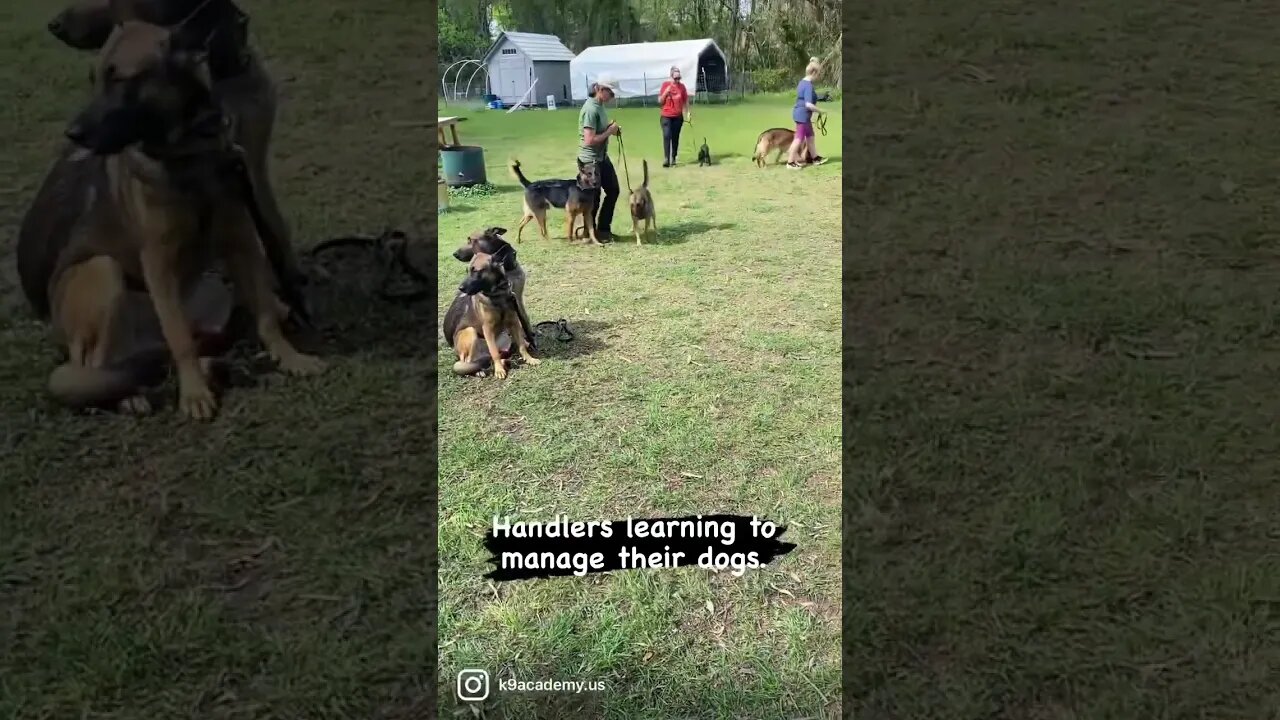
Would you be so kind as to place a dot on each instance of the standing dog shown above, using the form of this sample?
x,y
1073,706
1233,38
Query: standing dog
x,y
539,196
775,140
641,204
240,80
704,154
160,209
583,202
490,242
483,320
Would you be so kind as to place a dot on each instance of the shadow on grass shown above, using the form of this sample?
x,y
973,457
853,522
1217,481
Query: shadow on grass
x,y
586,339
671,234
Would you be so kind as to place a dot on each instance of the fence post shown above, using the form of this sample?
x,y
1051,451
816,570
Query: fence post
x,y
644,99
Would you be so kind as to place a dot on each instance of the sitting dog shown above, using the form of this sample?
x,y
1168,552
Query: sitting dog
x,y
704,154
240,81
161,208
490,242
641,204
775,140
483,320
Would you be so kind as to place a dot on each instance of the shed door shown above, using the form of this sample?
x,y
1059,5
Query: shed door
x,y
513,76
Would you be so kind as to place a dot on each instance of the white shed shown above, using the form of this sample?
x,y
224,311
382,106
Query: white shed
x,y
639,69
519,60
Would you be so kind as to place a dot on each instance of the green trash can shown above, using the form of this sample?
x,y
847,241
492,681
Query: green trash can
x,y
463,165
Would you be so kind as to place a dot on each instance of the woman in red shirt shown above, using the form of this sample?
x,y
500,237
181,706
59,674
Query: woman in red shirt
x,y
674,99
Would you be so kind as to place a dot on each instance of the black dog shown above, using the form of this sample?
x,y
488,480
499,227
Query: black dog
x,y
490,242
704,154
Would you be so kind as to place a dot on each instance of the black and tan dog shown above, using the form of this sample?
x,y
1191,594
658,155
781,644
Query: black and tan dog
x,y
490,242
643,213
240,79
576,196
483,321
775,140
161,209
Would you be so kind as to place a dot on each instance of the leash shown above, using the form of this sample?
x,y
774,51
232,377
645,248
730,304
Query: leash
x,y
822,124
563,333
623,152
392,246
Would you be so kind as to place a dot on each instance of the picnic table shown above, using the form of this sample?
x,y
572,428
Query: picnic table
x,y
451,123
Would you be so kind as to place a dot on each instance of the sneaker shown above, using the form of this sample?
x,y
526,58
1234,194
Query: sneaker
x,y
818,160
794,166
666,163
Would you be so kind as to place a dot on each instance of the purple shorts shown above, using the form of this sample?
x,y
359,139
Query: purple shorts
x,y
804,130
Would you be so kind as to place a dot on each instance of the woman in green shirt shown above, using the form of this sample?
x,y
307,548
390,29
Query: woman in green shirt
x,y
594,131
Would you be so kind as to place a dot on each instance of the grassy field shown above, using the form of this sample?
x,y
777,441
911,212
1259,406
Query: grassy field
x,y
701,380
1061,289
276,563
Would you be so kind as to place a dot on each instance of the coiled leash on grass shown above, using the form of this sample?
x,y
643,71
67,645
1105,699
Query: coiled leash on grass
x,y
392,246
563,333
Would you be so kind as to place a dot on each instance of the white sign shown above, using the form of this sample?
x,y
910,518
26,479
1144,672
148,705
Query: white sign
x,y
551,102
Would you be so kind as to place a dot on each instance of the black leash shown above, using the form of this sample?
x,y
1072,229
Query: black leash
x,y
822,124
392,246
563,333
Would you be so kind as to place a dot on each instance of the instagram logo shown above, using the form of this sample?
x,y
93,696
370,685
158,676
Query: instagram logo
x,y
473,685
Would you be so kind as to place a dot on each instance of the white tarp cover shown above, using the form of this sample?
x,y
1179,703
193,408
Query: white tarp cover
x,y
639,69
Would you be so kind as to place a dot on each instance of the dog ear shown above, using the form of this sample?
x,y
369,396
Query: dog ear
x,y
497,231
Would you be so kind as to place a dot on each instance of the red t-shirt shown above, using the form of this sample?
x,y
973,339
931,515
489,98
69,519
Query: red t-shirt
x,y
674,106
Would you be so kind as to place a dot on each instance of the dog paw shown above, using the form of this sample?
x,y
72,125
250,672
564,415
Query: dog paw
x,y
300,364
136,405
532,361
500,369
197,403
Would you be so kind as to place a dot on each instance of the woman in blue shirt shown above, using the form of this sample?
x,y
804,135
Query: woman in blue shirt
x,y
805,108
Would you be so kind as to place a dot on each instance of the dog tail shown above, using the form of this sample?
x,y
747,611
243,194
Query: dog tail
x,y
470,368
645,184
515,170
80,387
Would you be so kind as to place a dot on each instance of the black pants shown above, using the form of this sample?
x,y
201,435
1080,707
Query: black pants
x,y
671,137
607,197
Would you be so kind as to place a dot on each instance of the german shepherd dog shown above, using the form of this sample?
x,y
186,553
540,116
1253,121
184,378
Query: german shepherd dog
x,y
483,320
161,209
584,202
641,204
539,196
573,195
490,242
775,140
240,80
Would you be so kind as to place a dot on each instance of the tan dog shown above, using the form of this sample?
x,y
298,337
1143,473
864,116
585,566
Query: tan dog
x,y
483,320
775,140
642,210
160,210
242,82
490,242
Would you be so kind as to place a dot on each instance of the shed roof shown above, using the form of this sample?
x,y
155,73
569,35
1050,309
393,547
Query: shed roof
x,y
536,47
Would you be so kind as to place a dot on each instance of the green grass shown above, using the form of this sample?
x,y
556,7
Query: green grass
x,y
701,380
1061,290
276,563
